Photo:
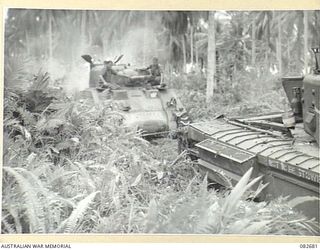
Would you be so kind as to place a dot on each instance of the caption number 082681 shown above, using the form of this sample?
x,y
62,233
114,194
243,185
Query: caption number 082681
x,y
308,246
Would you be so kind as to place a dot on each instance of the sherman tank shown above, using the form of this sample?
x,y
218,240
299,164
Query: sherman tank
x,y
282,147
153,110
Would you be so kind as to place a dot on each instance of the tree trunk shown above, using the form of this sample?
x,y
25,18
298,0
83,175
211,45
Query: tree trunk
x,y
253,51
145,38
28,43
288,55
50,41
171,48
268,43
83,31
211,67
305,36
197,58
184,51
50,35
316,24
191,45
279,45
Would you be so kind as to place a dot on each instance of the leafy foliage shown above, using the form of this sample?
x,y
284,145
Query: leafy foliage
x,y
73,168
230,99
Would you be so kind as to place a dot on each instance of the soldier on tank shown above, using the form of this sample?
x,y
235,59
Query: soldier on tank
x,y
106,77
155,71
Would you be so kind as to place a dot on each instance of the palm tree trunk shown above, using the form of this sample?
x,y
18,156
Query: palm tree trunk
x,y
288,55
253,51
83,31
191,44
27,43
50,35
211,67
197,58
279,45
184,51
316,24
50,40
268,44
170,48
305,35
145,38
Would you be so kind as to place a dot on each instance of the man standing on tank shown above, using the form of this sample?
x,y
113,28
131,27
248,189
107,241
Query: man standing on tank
x,y
107,75
108,71
155,71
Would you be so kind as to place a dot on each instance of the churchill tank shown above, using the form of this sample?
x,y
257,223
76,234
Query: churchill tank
x,y
153,110
282,147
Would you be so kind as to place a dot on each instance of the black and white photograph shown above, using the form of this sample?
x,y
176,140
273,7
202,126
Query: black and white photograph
x,y
161,122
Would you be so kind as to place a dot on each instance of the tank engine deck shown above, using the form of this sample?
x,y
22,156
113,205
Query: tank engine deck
x,y
291,166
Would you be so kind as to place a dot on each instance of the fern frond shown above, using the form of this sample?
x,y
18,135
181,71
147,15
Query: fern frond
x,y
7,228
69,225
15,74
208,228
41,81
26,116
257,227
60,173
47,199
32,178
31,202
86,177
13,212
151,218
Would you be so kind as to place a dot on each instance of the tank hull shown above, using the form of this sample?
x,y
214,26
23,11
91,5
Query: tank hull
x,y
151,111
226,151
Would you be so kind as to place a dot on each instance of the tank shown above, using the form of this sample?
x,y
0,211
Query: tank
x,y
153,110
285,154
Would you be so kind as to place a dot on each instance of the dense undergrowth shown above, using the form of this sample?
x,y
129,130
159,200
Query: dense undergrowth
x,y
241,96
71,167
